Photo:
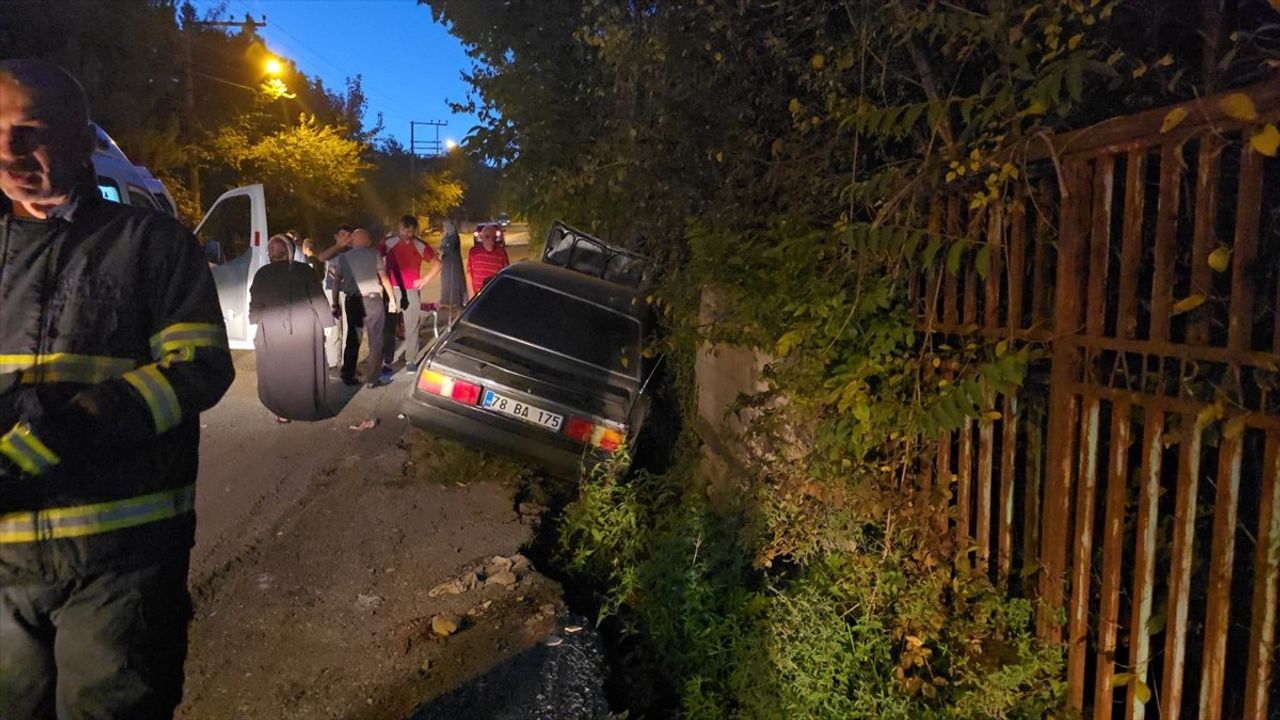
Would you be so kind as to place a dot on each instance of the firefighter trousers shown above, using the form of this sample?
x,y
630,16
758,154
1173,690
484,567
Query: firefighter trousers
x,y
109,645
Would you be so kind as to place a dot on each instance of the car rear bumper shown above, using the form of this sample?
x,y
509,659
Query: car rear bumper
x,y
485,431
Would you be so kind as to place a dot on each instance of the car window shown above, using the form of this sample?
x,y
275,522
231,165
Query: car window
x,y
165,205
226,230
141,198
109,189
561,323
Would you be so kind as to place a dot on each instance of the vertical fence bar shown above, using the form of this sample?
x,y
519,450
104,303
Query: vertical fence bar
x,y
1064,406
1042,269
1221,557
1031,500
1131,247
995,268
1184,527
1078,633
1266,586
1245,251
1112,553
1008,455
1144,560
933,277
951,291
986,471
1203,235
1017,260
1082,220
1166,238
1100,245
964,483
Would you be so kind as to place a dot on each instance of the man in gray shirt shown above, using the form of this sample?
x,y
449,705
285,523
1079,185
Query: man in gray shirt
x,y
363,280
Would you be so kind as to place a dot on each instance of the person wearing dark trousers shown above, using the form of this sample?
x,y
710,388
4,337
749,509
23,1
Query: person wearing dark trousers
x,y
364,281
111,345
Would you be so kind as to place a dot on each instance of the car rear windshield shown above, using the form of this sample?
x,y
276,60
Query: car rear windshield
x,y
560,323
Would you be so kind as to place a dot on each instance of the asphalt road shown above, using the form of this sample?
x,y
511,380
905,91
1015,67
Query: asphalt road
x,y
252,470
318,551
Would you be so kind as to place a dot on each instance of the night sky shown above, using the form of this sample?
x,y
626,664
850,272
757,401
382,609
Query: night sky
x,y
411,66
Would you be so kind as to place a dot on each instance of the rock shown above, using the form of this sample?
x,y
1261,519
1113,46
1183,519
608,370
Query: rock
x,y
497,564
506,578
553,641
520,564
456,586
445,624
368,602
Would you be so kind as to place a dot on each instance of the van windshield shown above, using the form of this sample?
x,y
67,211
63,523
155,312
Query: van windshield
x,y
560,323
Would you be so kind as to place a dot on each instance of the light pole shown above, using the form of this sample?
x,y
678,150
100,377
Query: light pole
x,y
429,147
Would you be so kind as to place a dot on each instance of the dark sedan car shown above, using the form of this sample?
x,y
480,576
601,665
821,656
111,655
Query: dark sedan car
x,y
545,364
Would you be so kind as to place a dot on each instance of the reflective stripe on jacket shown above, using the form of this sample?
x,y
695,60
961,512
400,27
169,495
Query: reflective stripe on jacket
x,y
111,344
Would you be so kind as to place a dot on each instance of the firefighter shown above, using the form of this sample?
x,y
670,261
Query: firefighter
x,y
111,344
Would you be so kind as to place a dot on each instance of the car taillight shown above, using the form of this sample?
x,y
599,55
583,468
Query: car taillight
x,y
578,430
465,392
606,439
440,384
584,431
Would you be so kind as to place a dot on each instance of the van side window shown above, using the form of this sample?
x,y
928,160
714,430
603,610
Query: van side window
x,y
226,230
141,198
165,205
109,189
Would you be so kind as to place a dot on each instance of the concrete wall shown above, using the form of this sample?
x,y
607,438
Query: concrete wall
x,y
723,372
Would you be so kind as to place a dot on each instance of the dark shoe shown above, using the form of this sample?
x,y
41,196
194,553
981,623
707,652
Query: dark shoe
x,y
410,367
377,384
350,381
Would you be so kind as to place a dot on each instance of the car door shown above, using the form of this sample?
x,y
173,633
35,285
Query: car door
x,y
233,235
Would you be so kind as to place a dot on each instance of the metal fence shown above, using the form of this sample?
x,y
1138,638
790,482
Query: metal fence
x,y
1133,485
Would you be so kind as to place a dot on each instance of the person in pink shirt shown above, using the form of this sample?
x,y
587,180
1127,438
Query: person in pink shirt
x,y
486,259
411,264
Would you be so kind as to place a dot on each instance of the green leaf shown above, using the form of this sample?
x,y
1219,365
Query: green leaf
x,y
789,341
982,261
1075,81
1141,692
1220,258
1155,624
1121,679
1234,428
954,255
912,115
931,250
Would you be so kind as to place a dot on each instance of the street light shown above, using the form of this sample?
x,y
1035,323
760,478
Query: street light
x,y
274,67
450,144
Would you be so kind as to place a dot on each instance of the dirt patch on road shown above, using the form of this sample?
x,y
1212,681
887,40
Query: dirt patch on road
x,y
331,615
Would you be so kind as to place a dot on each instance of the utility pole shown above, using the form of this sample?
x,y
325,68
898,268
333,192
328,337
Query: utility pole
x,y
188,23
427,147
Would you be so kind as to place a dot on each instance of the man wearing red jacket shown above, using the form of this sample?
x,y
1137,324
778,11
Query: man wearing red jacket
x,y
111,344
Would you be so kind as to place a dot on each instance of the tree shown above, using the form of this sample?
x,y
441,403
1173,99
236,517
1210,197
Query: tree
x,y
439,193
310,170
781,153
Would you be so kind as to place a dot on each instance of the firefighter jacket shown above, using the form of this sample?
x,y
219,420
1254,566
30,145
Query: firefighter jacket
x,y
111,344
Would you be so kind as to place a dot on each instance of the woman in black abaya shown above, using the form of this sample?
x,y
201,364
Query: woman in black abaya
x,y
287,303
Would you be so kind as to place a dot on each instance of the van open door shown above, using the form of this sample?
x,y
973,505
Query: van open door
x,y
233,235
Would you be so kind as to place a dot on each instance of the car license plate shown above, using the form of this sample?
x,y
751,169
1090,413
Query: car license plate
x,y
524,411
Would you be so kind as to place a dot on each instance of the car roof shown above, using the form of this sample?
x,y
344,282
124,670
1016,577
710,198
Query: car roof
x,y
613,296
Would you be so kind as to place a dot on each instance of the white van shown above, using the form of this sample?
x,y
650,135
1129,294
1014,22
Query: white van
x,y
121,181
233,233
